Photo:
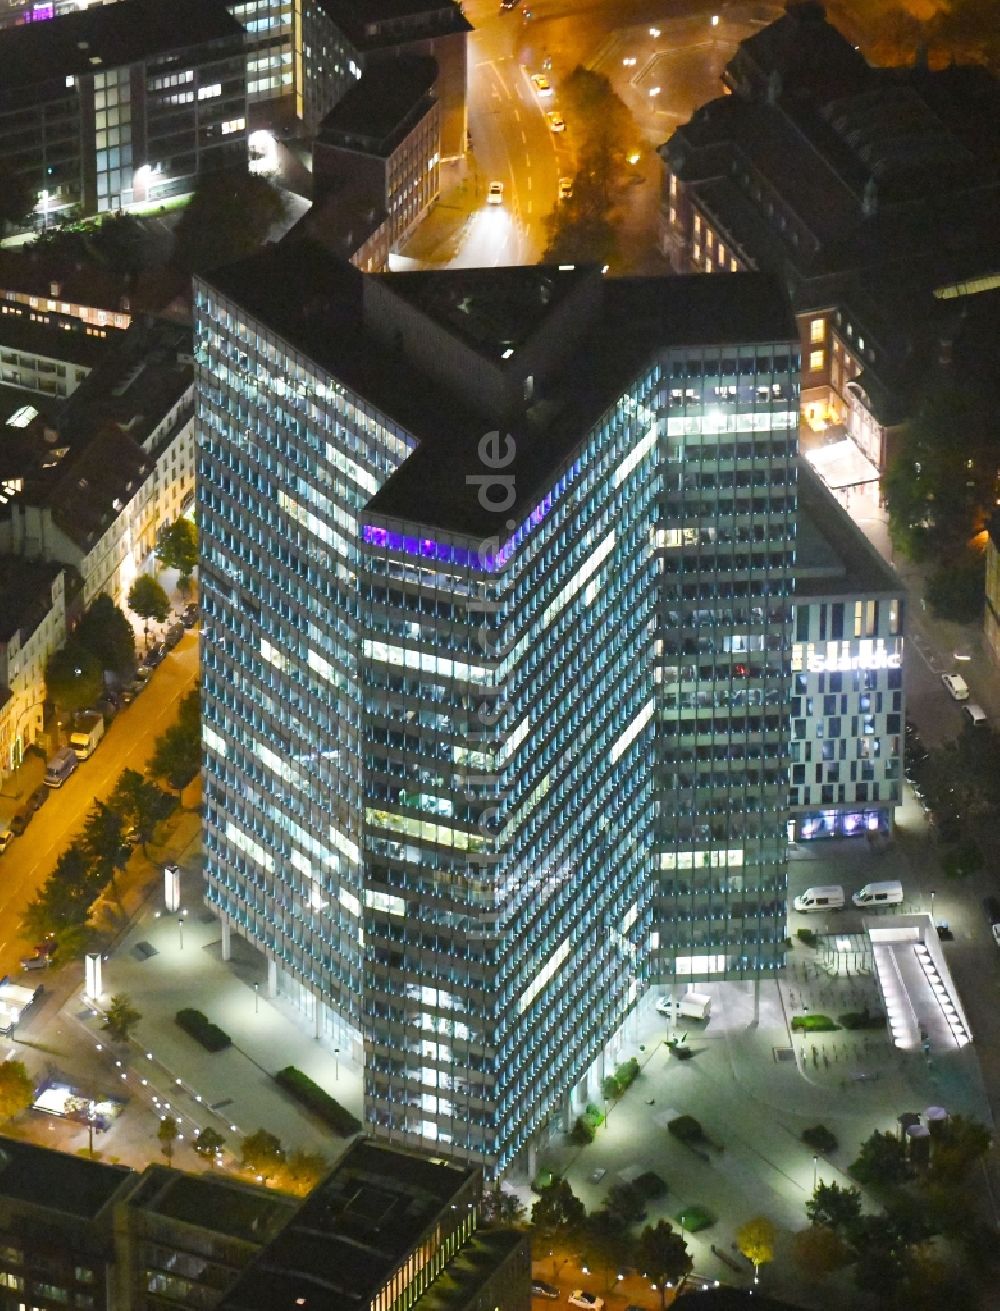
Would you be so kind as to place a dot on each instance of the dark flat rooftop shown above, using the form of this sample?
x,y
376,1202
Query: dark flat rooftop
x,y
219,1206
25,600
56,1180
377,108
314,301
833,557
350,1233
373,23
108,36
62,338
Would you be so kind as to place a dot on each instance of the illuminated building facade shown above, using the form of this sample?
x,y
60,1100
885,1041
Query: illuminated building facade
x,y
121,104
848,710
496,585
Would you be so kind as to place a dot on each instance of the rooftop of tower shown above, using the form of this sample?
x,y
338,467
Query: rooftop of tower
x,y
539,353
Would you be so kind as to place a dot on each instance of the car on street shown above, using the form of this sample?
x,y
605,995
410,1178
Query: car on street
x,y
20,822
956,685
991,909
539,1288
155,655
976,714
588,1301
5,836
173,635
494,194
565,188
36,962
555,121
507,5
38,798
190,615
47,947
542,85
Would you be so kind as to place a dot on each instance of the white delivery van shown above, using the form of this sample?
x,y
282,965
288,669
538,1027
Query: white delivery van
x,y
827,898
694,1005
879,894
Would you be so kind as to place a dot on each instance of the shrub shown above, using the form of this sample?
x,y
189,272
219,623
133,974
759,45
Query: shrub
x,y
309,1094
806,936
610,1087
865,1019
813,1024
542,1180
650,1185
694,1218
687,1129
628,1073
593,1115
583,1132
201,1029
820,1139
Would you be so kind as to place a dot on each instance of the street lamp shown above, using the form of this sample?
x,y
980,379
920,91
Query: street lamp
x,y
932,905
815,1170
336,1064
180,930
256,999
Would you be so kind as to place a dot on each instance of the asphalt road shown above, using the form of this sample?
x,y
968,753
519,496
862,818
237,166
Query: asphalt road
x,y
127,744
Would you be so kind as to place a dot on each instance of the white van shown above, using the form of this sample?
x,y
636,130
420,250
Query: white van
x,y
814,899
693,1005
879,894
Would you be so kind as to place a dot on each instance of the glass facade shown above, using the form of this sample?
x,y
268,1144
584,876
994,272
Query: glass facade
x,y
474,797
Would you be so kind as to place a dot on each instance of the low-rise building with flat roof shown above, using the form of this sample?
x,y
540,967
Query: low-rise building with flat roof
x,y
45,352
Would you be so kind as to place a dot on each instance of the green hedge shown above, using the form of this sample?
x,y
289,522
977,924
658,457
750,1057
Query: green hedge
x,y
201,1029
314,1098
813,1024
807,937
623,1078
583,1132
819,1138
865,1019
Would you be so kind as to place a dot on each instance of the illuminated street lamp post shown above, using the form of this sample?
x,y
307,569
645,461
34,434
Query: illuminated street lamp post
x,y
336,1063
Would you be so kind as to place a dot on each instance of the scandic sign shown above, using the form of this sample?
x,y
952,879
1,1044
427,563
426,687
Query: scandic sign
x,y
881,659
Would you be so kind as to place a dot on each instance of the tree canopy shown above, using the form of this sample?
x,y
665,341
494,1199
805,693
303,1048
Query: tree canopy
x,y
177,752
17,197
17,1089
228,217
74,677
661,1253
262,1152
756,1239
122,1017
177,548
108,635
148,600
558,1212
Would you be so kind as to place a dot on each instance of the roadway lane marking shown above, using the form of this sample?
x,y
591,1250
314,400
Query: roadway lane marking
x,y
529,181
517,115
529,206
524,137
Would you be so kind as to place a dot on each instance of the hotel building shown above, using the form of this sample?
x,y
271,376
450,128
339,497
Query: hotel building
x,y
497,598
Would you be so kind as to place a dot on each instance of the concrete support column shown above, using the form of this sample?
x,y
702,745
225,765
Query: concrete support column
x,y
272,977
756,999
602,1067
319,1018
568,1111
532,1159
226,943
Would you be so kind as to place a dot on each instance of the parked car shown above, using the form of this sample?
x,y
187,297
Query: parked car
x,y
956,685
5,836
107,707
38,799
977,715
555,121
991,908
539,1288
588,1301
190,616
20,822
47,947
154,655
36,962
173,635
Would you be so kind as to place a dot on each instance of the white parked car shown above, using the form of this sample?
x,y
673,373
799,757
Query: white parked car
x,y
589,1301
956,685
976,714
494,195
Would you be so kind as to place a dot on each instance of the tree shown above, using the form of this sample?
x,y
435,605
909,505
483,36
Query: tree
x,y
662,1256
108,635
605,1243
208,1142
140,803
121,1017
228,217
965,859
756,1240
957,590
558,1213
178,549
819,1250
17,197
65,899
262,1153
835,1208
962,1143
104,840
580,230
74,677
17,1089
882,1161
167,1133
626,1201
177,752
302,1171
148,600
501,1207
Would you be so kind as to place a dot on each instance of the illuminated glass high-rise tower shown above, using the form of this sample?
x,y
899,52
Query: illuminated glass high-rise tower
x,y
490,561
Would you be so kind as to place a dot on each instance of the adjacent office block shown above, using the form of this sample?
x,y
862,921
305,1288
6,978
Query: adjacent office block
x,y
497,572
122,104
